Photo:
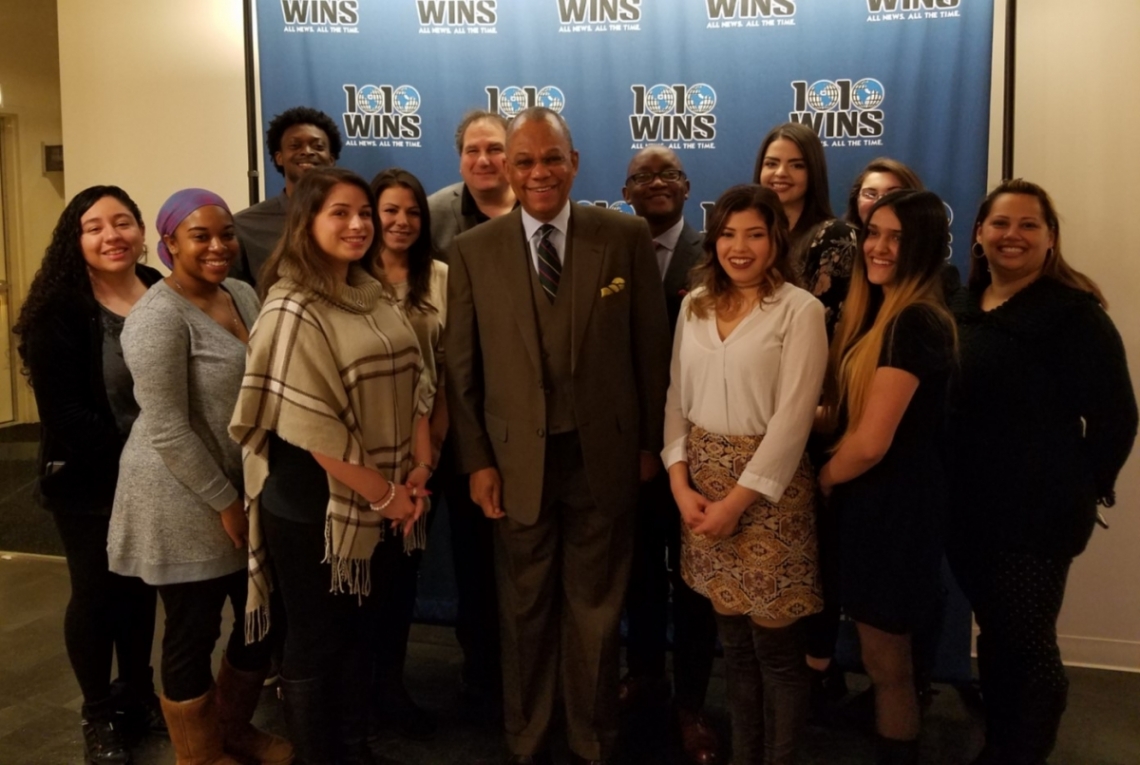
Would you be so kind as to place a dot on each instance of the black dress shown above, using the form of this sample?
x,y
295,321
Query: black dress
x,y
892,517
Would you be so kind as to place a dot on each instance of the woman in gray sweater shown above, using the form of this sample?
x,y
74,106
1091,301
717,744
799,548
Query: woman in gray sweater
x,y
179,519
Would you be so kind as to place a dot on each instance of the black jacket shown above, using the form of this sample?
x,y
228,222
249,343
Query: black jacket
x,y
77,428
1042,422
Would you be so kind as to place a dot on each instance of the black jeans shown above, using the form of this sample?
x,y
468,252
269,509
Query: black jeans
x,y
473,558
106,613
657,566
193,626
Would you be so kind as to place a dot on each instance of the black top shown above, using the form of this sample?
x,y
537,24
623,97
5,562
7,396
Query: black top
x,y
1043,421
824,266
893,515
80,440
297,487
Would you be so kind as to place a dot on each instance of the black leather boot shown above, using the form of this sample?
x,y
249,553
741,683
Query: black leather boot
x,y
352,694
308,715
745,689
787,689
103,742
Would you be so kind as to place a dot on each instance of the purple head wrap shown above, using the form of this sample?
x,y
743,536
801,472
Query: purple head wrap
x,y
177,209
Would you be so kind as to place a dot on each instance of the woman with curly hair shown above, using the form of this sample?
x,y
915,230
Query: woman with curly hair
x,y
749,357
1044,419
69,332
886,398
407,267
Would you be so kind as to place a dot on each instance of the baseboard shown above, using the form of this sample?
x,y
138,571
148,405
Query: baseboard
x,y
1100,653
1096,653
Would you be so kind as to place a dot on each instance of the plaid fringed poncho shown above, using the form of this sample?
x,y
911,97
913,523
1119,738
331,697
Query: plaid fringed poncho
x,y
341,377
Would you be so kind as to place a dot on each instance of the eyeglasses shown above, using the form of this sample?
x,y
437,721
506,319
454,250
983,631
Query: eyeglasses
x,y
646,178
872,195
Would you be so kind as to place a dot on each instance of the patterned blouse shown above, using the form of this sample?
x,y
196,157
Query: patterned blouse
x,y
825,266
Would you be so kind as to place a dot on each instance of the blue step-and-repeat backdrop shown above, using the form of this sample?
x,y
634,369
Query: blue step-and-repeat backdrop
x,y
908,79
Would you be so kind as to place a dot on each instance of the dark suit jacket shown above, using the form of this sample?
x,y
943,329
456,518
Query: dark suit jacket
x,y
447,219
685,256
621,347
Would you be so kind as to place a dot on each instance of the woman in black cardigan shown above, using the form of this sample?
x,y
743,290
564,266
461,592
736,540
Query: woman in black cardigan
x,y
69,343
1044,419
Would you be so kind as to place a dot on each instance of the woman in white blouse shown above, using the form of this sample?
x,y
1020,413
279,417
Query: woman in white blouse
x,y
749,358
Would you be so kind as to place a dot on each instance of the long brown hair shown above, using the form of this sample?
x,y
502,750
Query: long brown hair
x,y
712,287
909,178
297,248
868,318
817,206
421,253
1055,266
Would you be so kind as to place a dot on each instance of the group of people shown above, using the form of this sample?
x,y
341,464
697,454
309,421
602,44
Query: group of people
x,y
834,416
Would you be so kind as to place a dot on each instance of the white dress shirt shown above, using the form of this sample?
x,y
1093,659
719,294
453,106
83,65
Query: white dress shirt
x,y
764,379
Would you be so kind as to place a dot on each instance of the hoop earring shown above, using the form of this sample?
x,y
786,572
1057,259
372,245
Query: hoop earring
x,y
977,251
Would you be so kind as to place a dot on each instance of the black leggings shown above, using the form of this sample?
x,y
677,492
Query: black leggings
x,y
326,629
193,626
1016,597
106,613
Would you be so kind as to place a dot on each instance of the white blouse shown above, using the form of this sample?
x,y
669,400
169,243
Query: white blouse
x,y
764,379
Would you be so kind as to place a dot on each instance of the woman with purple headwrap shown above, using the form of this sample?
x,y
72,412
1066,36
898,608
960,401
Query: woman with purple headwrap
x,y
179,519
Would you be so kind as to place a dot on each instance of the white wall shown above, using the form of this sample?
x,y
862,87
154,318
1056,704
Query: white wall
x,y
29,76
1077,108
153,99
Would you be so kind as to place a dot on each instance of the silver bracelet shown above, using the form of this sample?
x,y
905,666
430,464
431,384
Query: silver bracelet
x,y
382,505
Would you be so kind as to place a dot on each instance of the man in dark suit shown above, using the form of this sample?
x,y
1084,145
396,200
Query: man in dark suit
x,y
557,368
656,187
484,192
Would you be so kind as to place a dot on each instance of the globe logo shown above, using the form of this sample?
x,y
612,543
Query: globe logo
x,y
407,99
551,98
660,99
512,101
370,99
823,95
867,93
622,207
700,98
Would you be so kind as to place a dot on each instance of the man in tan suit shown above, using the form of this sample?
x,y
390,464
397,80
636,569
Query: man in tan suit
x,y
557,364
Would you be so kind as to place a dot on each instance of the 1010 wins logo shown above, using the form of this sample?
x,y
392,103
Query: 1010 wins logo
x,y
674,114
442,14
381,115
320,15
512,99
841,111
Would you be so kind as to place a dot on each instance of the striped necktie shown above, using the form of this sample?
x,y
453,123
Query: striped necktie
x,y
549,265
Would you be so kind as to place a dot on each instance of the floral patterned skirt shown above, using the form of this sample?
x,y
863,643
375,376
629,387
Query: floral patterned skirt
x,y
769,568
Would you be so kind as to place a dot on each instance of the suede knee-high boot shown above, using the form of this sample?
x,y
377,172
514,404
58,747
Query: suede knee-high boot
x,y
745,689
787,689
238,695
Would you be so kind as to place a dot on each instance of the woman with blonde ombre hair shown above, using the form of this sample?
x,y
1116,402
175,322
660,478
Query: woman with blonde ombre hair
x,y
890,368
749,356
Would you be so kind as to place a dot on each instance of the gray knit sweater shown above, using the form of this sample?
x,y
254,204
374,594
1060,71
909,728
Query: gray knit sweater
x,y
179,468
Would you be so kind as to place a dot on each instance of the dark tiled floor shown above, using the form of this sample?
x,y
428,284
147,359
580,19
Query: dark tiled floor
x,y
39,700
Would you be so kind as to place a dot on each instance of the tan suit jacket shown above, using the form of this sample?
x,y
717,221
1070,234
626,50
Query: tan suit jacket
x,y
620,356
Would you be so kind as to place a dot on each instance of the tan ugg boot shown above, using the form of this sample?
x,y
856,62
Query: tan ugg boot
x,y
194,731
238,693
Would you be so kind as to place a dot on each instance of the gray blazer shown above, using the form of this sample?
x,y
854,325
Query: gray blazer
x,y
447,220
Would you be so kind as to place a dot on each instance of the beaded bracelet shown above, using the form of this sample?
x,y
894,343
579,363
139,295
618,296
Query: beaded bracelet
x,y
382,505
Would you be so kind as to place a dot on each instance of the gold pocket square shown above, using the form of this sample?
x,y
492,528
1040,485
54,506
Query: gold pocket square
x,y
616,286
